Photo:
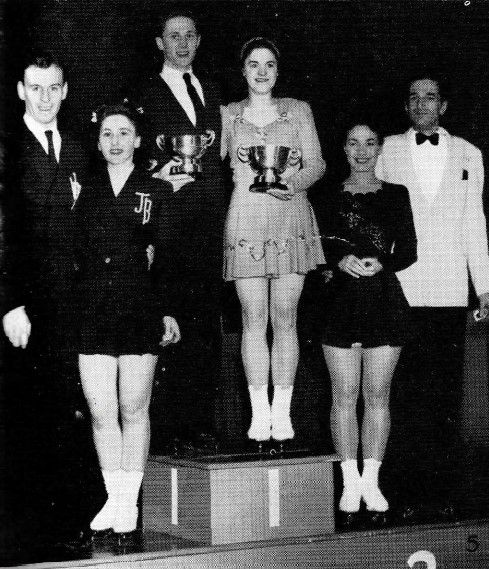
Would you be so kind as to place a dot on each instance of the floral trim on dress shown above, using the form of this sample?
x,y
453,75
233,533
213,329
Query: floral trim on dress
x,y
258,251
261,132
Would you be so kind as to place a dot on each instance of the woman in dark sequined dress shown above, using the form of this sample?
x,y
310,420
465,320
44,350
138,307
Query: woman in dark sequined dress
x,y
369,236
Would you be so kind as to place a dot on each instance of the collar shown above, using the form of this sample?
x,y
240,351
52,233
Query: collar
x,y
37,128
170,74
411,133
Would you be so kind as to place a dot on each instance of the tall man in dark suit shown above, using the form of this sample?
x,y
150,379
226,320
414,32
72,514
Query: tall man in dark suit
x,y
177,102
45,169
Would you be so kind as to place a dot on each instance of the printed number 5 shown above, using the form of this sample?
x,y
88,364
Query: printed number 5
x,y
425,556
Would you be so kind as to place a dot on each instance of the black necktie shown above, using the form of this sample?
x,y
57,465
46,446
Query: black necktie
x,y
433,138
51,154
194,97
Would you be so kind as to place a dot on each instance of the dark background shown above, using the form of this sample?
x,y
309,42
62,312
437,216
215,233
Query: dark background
x,y
335,54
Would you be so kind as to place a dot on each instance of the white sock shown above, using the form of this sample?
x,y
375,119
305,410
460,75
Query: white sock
x,y
282,398
130,486
127,514
371,493
260,405
371,468
260,408
351,475
106,517
350,499
281,423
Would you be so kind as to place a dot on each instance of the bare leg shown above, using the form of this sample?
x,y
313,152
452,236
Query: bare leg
x,y
285,293
135,384
345,365
253,295
378,368
98,375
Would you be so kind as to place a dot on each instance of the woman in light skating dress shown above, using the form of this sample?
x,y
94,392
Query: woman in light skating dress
x,y
271,239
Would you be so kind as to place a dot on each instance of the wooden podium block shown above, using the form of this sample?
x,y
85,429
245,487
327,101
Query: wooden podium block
x,y
222,499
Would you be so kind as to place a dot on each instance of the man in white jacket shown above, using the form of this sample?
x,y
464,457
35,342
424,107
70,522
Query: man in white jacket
x,y
444,175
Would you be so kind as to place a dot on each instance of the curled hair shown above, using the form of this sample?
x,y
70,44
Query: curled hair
x,y
125,108
257,43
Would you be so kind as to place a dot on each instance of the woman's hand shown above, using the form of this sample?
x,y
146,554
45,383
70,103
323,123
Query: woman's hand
x,y
357,268
327,275
284,195
373,265
172,331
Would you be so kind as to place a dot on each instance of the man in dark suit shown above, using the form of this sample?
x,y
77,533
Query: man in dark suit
x,y
45,169
178,102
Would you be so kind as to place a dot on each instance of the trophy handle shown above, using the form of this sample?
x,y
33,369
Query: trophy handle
x,y
242,153
211,136
295,156
160,142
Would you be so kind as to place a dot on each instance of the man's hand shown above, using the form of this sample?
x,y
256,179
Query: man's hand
x,y
17,327
483,312
176,180
172,331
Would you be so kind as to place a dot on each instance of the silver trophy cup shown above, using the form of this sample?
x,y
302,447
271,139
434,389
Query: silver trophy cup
x,y
268,161
187,149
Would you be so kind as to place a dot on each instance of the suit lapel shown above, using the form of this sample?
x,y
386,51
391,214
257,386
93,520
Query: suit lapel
x,y
37,160
451,165
177,107
61,190
123,204
412,183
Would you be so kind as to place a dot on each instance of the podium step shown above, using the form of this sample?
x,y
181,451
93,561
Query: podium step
x,y
226,499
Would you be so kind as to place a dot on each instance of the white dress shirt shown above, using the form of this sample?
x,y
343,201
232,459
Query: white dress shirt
x,y
429,162
39,131
174,79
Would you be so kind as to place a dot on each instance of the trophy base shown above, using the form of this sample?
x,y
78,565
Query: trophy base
x,y
263,187
179,170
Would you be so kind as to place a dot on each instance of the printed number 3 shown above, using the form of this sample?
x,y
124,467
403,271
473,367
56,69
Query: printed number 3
x,y
425,556
472,543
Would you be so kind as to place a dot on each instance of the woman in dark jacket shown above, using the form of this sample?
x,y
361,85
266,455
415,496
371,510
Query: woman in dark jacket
x,y
122,316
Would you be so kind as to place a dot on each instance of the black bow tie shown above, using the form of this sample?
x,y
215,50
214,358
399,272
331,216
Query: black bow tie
x,y
433,138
